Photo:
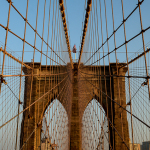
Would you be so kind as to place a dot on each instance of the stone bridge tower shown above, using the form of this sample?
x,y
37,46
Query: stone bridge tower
x,y
82,87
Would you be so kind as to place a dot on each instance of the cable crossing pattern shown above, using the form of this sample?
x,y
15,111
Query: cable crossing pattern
x,y
99,101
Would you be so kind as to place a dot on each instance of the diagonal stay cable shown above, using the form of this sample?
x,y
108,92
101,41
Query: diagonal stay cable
x,y
95,113
62,9
13,93
136,91
32,104
88,9
114,127
109,120
122,44
41,119
30,45
118,104
102,124
115,31
113,75
36,32
28,75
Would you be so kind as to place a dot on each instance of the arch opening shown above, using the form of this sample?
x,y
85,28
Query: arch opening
x,y
95,124
54,131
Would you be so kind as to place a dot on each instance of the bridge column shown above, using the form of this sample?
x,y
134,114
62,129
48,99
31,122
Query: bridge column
x,y
29,118
31,126
120,115
91,87
75,134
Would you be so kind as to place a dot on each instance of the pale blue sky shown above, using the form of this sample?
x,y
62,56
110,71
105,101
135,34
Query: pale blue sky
x,y
76,13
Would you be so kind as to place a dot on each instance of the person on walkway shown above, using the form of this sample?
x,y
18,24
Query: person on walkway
x,y
74,49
